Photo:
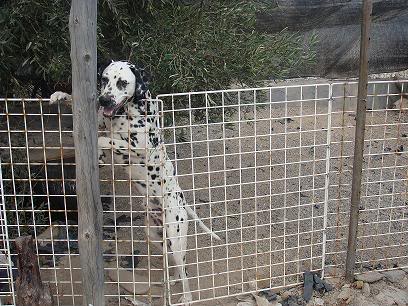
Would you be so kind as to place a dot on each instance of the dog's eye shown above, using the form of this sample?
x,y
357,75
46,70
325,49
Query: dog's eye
x,y
121,83
104,81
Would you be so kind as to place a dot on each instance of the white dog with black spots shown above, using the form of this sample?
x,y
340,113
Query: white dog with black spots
x,y
131,121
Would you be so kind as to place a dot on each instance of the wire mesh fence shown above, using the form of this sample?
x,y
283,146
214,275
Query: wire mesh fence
x,y
383,207
253,164
266,169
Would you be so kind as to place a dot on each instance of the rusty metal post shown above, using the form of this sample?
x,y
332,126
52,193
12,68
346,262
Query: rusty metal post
x,y
359,140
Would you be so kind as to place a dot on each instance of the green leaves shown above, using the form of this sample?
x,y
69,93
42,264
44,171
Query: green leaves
x,y
186,45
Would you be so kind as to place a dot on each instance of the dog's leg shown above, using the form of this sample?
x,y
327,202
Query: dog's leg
x,y
154,229
104,144
154,233
177,240
121,150
66,99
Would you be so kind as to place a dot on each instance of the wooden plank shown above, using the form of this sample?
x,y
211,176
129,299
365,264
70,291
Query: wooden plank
x,y
30,291
37,156
82,26
60,149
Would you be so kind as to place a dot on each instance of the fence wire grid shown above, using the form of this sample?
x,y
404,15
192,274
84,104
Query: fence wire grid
x,y
267,169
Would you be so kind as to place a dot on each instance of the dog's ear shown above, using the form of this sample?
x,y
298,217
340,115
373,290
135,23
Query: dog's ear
x,y
142,76
135,71
142,81
146,77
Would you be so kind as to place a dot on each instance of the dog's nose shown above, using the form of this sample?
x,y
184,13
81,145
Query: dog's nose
x,y
105,101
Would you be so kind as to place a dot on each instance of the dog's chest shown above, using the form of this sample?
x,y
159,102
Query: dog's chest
x,y
140,131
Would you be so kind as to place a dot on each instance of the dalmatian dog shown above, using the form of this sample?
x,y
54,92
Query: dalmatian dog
x,y
131,121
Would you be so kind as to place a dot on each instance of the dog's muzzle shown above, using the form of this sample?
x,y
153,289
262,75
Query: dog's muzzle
x,y
110,106
106,101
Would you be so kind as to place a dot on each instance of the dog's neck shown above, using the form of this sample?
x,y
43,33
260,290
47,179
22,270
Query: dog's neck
x,y
142,105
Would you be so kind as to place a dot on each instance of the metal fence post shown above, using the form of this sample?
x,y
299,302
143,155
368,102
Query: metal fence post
x,y
359,140
82,27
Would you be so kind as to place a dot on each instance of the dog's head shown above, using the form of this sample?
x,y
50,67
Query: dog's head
x,y
120,83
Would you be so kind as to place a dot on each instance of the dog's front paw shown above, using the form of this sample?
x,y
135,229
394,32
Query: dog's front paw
x,y
60,96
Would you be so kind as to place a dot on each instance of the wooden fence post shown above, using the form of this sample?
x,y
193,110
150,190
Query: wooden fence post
x,y
359,140
30,290
82,28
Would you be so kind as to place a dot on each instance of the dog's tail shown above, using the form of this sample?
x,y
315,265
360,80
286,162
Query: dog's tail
x,y
194,216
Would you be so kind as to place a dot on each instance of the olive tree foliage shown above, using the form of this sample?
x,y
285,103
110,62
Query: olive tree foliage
x,y
184,45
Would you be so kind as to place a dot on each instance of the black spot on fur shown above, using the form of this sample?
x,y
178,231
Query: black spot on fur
x,y
156,202
121,84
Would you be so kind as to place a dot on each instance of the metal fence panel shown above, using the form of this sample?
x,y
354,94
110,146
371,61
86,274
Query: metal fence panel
x,y
254,165
267,169
382,236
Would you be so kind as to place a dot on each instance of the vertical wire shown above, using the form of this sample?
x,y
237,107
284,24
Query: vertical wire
x,y
209,189
194,193
327,178
299,186
7,242
48,200
270,187
65,200
225,191
255,193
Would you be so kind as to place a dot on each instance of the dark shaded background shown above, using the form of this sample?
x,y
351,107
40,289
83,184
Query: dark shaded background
x,y
337,25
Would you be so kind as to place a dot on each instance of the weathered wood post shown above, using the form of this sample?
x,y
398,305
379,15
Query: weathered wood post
x,y
359,140
82,28
30,290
